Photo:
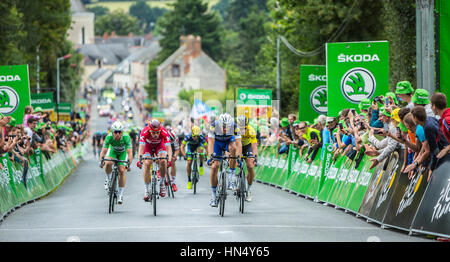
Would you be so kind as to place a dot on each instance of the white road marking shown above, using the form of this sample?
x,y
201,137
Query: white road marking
x,y
155,227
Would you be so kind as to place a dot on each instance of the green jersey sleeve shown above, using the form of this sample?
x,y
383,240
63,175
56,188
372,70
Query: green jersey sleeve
x,y
107,142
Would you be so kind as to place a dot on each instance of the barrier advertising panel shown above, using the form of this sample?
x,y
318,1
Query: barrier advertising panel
x,y
406,199
313,92
356,70
360,188
375,184
383,199
433,215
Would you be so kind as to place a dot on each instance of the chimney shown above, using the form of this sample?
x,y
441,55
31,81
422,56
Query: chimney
x,y
197,45
182,40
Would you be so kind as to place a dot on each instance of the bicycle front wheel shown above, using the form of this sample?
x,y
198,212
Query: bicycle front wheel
x,y
242,190
222,194
154,194
112,191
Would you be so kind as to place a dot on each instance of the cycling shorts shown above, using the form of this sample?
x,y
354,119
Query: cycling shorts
x,y
157,149
117,155
193,148
220,146
247,150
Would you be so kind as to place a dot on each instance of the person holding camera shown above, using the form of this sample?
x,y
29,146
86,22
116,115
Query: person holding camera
x,y
386,146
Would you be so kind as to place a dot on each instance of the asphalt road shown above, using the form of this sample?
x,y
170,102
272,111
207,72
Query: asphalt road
x,y
78,211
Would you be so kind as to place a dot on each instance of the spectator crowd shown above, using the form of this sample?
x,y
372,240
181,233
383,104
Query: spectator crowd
x,y
408,120
20,141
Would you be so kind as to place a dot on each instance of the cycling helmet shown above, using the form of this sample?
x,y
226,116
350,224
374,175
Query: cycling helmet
x,y
196,131
225,120
172,135
242,120
117,126
155,125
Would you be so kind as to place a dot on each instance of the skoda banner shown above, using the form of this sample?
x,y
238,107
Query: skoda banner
x,y
64,110
14,91
312,93
356,70
254,103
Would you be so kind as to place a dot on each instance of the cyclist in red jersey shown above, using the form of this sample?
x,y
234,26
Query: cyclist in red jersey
x,y
154,141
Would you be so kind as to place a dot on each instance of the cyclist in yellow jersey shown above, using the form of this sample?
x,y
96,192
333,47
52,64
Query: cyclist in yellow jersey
x,y
249,149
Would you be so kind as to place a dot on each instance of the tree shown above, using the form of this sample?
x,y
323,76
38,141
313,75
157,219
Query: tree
x,y
146,15
187,17
308,25
398,16
98,10
118,22
191,17
13,34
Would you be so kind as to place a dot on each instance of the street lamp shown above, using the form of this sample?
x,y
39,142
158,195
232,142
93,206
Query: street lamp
x,y
57,81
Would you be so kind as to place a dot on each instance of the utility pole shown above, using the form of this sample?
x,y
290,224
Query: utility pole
x,y
425,45
278,74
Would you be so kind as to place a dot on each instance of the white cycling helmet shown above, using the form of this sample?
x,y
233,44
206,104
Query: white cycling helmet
x,y
225,119
117,126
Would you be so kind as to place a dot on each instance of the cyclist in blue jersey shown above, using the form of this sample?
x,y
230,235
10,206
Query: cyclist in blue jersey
x,y
193,142
224,135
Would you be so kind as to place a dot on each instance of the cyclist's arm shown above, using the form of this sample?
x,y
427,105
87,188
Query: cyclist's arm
x,y
183,145
255,149
211,145
105,148
129,150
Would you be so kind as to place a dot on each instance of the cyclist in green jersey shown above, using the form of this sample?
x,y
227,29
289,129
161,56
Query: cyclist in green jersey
x,y
118,146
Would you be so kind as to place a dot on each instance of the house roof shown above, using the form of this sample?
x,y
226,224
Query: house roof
x,y
144,54
98,73
110,54
77,6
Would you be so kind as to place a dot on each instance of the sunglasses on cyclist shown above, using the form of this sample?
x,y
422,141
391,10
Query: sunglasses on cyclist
x,y
117,132
155,132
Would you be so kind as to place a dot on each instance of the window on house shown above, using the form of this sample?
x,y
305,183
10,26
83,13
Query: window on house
x,y
175,70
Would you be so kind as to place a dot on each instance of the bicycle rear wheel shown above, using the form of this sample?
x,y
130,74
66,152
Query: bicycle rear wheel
x,y
169,185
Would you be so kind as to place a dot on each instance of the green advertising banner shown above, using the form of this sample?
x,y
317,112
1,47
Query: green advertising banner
x,y
254,103
14,91
443,8
356,70
43,100
312,93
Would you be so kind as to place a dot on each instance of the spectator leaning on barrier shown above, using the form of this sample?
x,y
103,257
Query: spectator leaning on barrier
x,y
431,146
311,136
439,107
420,98
404,92
285,136
388,145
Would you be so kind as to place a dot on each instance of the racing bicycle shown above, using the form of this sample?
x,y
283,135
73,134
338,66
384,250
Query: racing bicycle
x,y
114,182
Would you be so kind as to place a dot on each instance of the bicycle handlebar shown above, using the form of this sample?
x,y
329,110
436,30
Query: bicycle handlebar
x,y
153,158
116,160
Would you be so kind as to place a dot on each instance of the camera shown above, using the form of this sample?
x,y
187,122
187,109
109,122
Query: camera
x,y
378,99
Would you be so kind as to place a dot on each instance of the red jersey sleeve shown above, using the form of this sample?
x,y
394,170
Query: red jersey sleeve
x,y
143,135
